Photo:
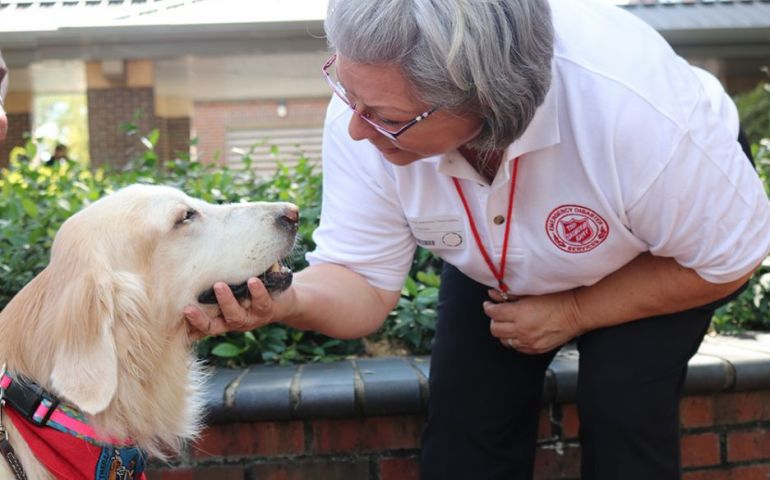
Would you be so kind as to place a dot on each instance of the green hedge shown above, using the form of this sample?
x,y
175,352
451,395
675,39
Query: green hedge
x,y
751,310
754,109
35,200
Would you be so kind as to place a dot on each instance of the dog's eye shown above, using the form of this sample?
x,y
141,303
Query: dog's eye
x,y
187,217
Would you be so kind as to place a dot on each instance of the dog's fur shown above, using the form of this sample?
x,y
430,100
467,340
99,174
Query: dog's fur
x,y
102,326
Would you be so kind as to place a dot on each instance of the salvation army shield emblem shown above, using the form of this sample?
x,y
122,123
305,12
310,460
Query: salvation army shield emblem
x,y
576,229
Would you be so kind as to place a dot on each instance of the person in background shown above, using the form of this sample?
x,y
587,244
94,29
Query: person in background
x,y
3,91
580,181
60,154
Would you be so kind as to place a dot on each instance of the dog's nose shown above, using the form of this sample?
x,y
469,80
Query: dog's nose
x,y
289,218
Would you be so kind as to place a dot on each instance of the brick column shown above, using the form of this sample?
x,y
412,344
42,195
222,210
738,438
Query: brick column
x,y
116,91
174,137
18,106
173,113
18,125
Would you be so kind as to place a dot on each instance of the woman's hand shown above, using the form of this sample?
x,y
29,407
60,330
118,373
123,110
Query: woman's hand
x,y
234,317
644,287
534,324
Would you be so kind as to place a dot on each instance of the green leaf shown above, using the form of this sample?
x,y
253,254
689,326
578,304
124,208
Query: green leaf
x,y
226,350
410,286
429,278
29,207
154,136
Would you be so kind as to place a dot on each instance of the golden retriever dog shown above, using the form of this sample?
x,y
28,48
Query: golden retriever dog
x,y
101,328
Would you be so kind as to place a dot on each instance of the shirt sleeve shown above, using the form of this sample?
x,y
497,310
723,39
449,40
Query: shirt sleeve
x,y
720,101
707,208
362,223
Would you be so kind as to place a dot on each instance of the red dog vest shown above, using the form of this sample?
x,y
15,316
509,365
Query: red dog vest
x,y
68,457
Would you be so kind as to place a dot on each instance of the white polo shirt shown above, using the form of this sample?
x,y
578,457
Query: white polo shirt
x,y
631,152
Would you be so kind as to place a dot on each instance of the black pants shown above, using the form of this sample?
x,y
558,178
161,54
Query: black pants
x,y
485,399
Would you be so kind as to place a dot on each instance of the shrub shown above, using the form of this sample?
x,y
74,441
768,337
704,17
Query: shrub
x,y
35,200
754,111
751,310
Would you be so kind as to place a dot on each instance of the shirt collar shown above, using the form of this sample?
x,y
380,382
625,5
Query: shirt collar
x,y
542,132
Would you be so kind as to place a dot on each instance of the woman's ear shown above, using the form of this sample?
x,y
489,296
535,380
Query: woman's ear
x,y
85,370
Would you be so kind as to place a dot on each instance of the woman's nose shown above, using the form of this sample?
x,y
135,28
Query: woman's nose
x,y
359,129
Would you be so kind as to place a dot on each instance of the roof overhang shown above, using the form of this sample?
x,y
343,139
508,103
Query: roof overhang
x,y
127,29
713,28
94,30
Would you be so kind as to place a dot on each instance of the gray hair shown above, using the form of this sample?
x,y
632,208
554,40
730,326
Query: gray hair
x,y
491,58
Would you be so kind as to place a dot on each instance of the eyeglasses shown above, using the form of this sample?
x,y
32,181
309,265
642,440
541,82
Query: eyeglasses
x,y
339,90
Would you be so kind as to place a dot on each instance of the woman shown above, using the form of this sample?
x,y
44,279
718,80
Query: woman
x,y
580,182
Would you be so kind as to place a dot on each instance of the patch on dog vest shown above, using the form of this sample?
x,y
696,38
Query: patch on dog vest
x,y
119,464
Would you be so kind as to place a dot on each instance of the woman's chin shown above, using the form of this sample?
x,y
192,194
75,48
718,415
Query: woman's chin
x,y
399,157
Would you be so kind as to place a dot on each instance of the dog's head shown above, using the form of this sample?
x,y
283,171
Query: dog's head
x,y
123,268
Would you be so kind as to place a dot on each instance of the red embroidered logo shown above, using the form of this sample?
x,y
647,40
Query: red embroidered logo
x,y
576,229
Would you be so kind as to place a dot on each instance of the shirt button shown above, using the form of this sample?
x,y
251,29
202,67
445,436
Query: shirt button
x,y
499,220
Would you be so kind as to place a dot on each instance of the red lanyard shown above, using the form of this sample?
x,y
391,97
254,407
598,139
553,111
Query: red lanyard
x,y
499,274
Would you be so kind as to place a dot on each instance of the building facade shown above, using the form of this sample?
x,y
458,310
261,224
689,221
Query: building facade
x,y
220,78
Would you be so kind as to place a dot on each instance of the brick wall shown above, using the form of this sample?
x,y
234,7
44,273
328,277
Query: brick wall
x,y
725,436
108,109
212,120
18,125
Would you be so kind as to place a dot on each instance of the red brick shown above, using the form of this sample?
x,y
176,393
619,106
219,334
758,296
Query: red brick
x,y
551,465
367,434
110,108
752,472
748,445
741,407
19,124
185,474
235,472
571,422
230,472
400,468
700,450
697,411
263,439
174,137
309,470
544,424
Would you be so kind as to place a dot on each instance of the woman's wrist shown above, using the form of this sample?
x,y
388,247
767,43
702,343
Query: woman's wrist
x,y
573,313
286,307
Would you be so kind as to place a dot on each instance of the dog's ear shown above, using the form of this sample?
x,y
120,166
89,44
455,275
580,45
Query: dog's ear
x,y
85,370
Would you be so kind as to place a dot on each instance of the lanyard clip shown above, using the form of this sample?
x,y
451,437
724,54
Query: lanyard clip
x,y
502,289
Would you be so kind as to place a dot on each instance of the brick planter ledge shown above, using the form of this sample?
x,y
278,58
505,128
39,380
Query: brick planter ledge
x,y
361,419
